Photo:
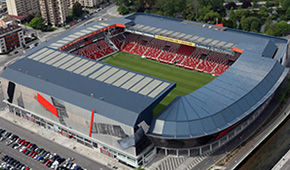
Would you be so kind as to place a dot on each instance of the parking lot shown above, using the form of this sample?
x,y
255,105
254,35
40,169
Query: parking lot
x,y
41,142
22,154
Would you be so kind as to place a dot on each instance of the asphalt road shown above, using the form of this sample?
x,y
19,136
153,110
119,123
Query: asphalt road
x,y
43,143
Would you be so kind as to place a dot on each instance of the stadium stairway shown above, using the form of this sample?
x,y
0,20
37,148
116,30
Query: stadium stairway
x,y
111,44
191,162
172,162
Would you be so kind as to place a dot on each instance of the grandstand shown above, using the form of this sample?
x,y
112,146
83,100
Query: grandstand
x,y
63,85
193,58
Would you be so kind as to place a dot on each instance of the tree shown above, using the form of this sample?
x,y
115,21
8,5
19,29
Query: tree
x,y
285,4
77,9
233,18
211,17
287,14
268,4
246,4
203,12
215,5
37,23
192,10
250,24
255,3
240,13
123,10
171,8
268,24
230,5
263,13
279,28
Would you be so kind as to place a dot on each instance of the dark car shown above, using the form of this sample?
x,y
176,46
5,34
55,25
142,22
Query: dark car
x,y
61,160
27,152
49,164
44,160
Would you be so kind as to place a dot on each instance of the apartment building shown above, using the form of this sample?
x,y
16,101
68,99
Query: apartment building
x,y
54,11
22,7
84,3
11,36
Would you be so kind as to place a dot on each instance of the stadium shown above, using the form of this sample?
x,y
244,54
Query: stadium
x,y
142,84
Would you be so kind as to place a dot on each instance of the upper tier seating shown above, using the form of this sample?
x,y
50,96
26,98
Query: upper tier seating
x,y
130,41
95,50
118,40
169,52
141,45
185,50
155,47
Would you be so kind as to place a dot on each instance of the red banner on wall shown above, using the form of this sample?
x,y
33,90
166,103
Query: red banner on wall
x,y
47,105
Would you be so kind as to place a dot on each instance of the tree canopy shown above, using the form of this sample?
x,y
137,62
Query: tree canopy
x,y
37,23
245,17
77,9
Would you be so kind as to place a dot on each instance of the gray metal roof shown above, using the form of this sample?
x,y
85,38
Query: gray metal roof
x,y
223,102
89,84
214,107
250,81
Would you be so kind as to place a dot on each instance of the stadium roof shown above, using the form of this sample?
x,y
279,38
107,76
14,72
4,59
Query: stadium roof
x,y
223,102
247,84
214,107
113,92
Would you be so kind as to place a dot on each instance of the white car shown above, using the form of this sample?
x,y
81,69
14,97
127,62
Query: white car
x,y
23,147
54,165
73,166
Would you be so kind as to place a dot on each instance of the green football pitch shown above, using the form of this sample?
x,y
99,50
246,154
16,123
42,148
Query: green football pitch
x,y
186,81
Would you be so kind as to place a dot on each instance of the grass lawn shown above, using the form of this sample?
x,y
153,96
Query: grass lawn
x,y
186,81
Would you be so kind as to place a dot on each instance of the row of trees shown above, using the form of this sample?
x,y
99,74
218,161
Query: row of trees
x,y
249,17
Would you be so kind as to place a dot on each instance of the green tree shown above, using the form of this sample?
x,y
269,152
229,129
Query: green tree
x,y
240,13
211,17
77,9
268,23
287,14
251,24
279,28
268,4
233,18
255,3
123,10
203,12
171,8
191,12
215,5
37,23
263,13
285,4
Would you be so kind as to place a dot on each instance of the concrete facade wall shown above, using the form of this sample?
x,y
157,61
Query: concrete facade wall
x,y
77,118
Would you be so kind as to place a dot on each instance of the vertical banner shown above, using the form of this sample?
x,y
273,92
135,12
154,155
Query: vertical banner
x,y
92,121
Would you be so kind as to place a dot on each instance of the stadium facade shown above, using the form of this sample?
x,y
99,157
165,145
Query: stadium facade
x,y
110,108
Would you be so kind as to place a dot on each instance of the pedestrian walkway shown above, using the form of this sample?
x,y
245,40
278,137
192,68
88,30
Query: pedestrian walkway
x,y
169,162
90,153
191,162
173,162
